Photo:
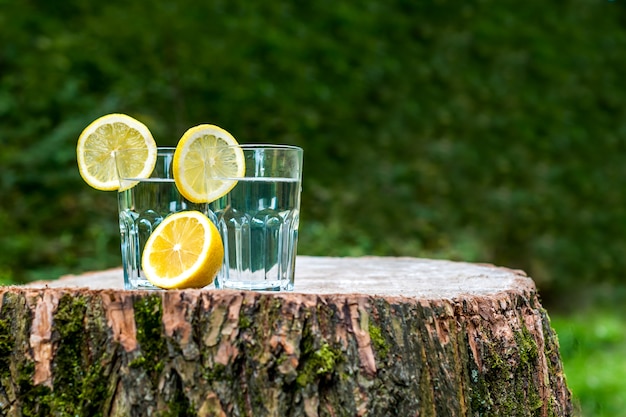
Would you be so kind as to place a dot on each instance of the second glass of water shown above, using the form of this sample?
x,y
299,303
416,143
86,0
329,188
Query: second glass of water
x,y
259,218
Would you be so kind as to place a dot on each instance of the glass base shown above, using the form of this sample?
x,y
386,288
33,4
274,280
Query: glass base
x,y
139,284
142,284
282,285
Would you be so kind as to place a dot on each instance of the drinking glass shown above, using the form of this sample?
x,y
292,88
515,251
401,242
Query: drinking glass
x,y
258,219
143,203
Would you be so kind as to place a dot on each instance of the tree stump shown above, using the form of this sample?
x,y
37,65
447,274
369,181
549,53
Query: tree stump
x,y
365,336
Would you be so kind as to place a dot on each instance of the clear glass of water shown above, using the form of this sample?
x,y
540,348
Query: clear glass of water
x,y
143,204
259,218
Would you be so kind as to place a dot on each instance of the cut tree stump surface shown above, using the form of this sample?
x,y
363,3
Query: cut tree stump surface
x,y
370,336
386,276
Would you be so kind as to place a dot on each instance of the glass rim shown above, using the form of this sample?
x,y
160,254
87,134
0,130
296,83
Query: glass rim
x,y
244,146
272,146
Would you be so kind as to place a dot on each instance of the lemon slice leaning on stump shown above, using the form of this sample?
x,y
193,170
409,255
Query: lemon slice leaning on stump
x,y
203,152
97,145
184,251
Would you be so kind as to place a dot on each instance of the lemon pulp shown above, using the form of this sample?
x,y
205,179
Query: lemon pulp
x,y
98,142
207,163
184,251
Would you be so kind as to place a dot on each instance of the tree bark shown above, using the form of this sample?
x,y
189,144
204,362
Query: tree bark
x,y
359,337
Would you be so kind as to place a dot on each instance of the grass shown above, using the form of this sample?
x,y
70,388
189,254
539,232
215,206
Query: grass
x,y
593,349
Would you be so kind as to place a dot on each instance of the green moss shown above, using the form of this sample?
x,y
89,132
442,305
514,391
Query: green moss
x,y
317,358
95,391
377,338
216,373
35,399
318,363
138,362
508,380
527,346
68,365
179,406
7,343
79,386
244,322
528,356
149,323
148,312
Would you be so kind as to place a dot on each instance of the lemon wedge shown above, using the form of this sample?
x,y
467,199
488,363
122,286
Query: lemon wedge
x,y
203,153
184,251
97,145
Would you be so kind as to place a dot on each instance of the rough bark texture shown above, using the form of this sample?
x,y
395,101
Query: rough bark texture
x,y
470,351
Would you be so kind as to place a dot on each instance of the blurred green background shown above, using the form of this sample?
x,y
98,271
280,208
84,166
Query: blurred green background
x,y
490,131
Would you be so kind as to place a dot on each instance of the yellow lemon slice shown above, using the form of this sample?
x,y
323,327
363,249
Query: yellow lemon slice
x,y
203,153
97,145
184,251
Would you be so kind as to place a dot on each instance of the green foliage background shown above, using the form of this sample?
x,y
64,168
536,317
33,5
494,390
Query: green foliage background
x,y
484,130
490,131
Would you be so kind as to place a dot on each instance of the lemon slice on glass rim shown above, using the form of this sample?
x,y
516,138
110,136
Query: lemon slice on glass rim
x,y
98,142
203,153
184,251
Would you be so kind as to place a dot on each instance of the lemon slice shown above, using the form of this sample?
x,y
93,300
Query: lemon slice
x,y
184,251
203,153
97,145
